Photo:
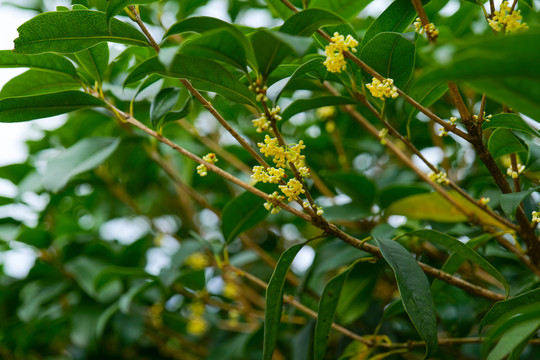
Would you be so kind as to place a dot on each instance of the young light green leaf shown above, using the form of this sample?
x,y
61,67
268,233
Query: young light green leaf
x,y
513,338
327,310
83,156
94,61
391,55
51,62
164,102
114,7
414,289
17,109
312,66
302,105
205,75
306,22
35,82
504,142
243,212
509,121
62,32
511,201
274,300
346,8
462,250
502,308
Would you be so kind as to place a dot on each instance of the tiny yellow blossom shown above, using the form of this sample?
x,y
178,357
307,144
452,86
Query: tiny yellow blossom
x,y
335,60
201,168
507,19
303,171
196,325
270,206
440,178
383,89
326,112
294,155
429,29
382,136
271,147
536,217
197,261
514,174
270,175
261,123
231,290
292,190
484,200
197,308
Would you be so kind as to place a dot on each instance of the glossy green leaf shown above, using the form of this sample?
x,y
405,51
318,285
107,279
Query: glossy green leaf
x,y
51,62
357,186
346,8
205,75
125,301
181,113
394,193
95,60
509,121
503,308
35,82
327,310
306,22
114,7
513,338
301,105
243,212
434,207
274,300
199,24
81,157
220,44
313,66
391,55
510,202
104,318
462,250
32,107
269,50
414,290
395,18
113,272
62,32
425,94
504,142
164,102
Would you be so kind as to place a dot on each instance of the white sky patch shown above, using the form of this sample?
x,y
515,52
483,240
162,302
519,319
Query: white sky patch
x,y
18,262
124,230
303,259
433,154
156,259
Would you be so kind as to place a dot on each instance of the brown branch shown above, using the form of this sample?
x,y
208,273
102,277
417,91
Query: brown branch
x,y
423,18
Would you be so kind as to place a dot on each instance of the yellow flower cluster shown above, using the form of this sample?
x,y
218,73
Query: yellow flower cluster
x,y
382,89
201,168
270,206
486,118
319,209
326,112
259,89
272,175
335,60
282,154
196,324
382,136
443,131
514,174
231,290
536,217
292,190
439,177
263,123
197,261
484,200
507,19
429,29
156,315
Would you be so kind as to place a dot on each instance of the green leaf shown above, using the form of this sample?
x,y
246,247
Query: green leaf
x,y
346,8
85,155
462,250
509,121
513,338
220,44
274,300
17,109
62,32
243,212
124,303
357,186
510,202
502,308
432,206
301,105
200,24
394,193
504,142
35,82
425,94
414,289
104,318
205,75
391,55
327,310
306,22
313,66
50,62
114,7
110,273
181,113
94,60
164,102
395,18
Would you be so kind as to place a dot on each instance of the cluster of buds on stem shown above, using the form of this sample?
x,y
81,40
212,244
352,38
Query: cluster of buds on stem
x,y
196,324
513,173
451,122
210,158
429,29
507,20
259,89
335,60
383,89
440,177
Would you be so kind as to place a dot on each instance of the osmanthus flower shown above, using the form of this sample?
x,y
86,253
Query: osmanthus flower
x,y
201,168
196,324
429,29
293,189
270,175
383,89
335,60
440,177
197,261
270,206
271,148
507,19
514,174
